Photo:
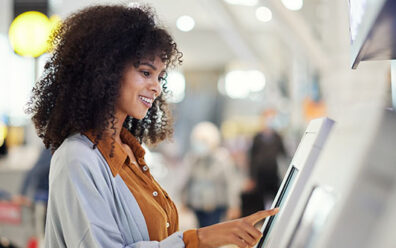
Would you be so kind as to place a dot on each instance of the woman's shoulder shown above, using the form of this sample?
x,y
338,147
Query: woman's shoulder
x,y
77,162
76,150
76,145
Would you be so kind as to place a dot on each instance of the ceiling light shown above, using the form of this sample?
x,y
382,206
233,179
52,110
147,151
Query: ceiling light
x,y
256,80
263,14
293,4
235,85
242,2
176,84
240,84
185,23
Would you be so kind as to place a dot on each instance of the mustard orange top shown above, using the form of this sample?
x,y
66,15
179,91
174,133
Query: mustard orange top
x,y
158,209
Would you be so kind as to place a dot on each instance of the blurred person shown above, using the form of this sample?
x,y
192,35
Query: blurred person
x,y
35,183
34,189
212,187
172,158
6,243
264,181
102,95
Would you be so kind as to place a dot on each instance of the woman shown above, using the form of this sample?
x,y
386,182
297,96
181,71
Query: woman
x,y
102,94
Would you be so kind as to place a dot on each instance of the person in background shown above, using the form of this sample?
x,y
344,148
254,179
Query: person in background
x,y
34,189
35,182
103,94
212,188
264,181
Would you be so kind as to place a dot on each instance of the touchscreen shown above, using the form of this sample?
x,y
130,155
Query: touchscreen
x,y
284,191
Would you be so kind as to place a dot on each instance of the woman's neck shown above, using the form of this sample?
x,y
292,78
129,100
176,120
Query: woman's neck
x,y
118,127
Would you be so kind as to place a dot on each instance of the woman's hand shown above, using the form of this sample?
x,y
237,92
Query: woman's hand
x,y
240,232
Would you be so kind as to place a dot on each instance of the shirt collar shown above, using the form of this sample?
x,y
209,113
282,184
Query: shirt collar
x,y
119,155
133,143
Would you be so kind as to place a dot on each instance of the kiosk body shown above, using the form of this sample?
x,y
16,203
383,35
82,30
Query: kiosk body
x,y
297,174
365,205
350,198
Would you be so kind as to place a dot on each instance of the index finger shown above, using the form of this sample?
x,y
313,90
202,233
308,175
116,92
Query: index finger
x,y
256,217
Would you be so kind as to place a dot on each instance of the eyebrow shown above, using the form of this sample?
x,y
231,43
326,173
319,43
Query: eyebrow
x,y
150,65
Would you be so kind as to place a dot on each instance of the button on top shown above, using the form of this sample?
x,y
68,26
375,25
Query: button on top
x,y
145,168
167,224
155,193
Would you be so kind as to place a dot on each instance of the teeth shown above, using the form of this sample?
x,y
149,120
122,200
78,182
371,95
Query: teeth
x,y
148,100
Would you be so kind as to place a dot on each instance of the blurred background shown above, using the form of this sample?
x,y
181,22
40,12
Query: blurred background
x,y
251,68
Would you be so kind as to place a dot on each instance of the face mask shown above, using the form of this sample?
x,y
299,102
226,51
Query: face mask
x,y
272,124
200,148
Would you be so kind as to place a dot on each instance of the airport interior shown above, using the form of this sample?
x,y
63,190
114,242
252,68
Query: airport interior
x,y
304,87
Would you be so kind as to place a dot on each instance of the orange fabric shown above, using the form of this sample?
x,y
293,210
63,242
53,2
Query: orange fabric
x,y
158,209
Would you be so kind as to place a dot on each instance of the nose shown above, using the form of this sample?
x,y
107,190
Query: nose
x,y
156,88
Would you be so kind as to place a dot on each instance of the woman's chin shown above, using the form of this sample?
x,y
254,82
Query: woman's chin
x,y
139,116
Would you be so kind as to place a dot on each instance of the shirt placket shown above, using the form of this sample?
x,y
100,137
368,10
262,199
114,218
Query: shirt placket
x,y
160,196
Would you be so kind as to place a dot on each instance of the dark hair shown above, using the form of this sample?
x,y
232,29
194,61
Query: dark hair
x,y
81,80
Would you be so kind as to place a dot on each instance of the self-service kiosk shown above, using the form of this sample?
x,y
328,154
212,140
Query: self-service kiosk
x,y
349,200
359,207
297,174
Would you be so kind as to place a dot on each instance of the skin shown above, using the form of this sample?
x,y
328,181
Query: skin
x,y
240,232
142,81
145,80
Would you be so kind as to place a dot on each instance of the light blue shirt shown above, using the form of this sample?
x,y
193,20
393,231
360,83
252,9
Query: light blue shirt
x,y
88,207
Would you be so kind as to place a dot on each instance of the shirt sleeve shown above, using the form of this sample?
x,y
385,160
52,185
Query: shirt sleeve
x,y
79,214
173,241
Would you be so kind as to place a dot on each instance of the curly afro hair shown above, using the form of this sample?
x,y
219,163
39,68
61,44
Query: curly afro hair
x,y
81,80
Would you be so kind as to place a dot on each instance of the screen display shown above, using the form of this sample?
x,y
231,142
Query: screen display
x,y
316,212
290,178
357,9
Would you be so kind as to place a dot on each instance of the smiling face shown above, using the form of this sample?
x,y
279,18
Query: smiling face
x,y
139,88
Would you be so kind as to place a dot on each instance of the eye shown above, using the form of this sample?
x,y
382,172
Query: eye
x,y
146,73
162,80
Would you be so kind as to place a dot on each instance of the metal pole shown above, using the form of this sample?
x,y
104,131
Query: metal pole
x,y
393,83
36,69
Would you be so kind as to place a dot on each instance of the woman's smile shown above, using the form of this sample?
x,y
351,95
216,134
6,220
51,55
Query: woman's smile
x,y
148,102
